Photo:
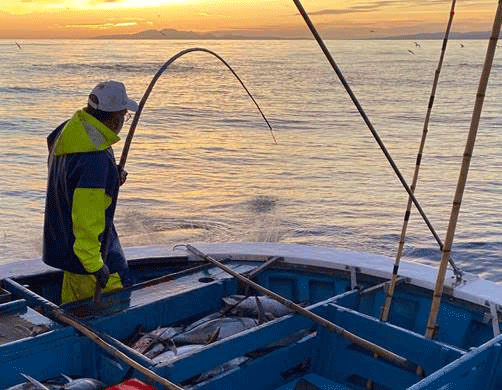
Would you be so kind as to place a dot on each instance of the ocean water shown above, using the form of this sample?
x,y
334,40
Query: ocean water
x,y
203,165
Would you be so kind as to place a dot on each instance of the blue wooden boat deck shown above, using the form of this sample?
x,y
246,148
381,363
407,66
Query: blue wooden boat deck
x,y
290,352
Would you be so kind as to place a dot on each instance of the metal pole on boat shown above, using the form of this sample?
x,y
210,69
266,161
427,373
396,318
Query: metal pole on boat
x,y
490,53
376,349
390,291
366,119
130,135
58,314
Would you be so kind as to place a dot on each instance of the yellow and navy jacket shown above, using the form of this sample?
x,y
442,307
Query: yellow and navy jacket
x,y
83,179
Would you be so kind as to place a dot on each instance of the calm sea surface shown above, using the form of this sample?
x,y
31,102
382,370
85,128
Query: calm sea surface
x,y
203,165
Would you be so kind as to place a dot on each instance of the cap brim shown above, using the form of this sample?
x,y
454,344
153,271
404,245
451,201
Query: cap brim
x,y
132,105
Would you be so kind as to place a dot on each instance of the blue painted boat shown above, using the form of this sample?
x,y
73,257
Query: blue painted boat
x,y
175,288
330,334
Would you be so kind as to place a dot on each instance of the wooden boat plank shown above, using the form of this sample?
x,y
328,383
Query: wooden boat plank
x,y
471,371
234,346
130,299
316,381
272,370
429,354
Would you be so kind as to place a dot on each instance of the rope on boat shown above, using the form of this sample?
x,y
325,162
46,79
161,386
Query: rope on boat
x,y
366,119
390,291
380,351
130,134
464,170
56,312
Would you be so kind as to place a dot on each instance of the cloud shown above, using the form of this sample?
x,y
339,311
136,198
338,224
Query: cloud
x,y
97,2
381,4
356,8
100,26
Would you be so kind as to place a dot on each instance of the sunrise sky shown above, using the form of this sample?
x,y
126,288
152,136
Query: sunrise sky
x,y
335,19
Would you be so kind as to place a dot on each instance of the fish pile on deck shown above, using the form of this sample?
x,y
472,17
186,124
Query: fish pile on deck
x,y
238,313
71,384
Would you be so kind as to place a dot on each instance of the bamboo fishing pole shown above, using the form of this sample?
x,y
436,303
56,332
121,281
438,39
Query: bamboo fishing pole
x,y
132,129
464,170
390,291
366,120
376,349
56,312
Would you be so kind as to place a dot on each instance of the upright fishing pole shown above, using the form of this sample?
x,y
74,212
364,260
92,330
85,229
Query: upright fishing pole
x,y
366,119
464,170
390,291
130,135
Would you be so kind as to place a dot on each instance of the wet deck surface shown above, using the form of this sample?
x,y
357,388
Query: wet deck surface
x,y
131,298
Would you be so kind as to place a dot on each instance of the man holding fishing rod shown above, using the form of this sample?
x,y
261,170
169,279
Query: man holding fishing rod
x,y
83,179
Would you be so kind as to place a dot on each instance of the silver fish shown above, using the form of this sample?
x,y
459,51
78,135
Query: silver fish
x,y
148,340
32,384
157,349
82,384
250,306
215,329
171,354
207,318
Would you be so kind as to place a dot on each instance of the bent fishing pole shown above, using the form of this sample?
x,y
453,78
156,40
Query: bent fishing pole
x,y
366,120
162,69
132,129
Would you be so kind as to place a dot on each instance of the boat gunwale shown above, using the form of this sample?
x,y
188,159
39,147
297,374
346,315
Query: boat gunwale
x,y
472,289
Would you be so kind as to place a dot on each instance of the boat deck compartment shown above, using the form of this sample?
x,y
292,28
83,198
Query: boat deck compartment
x,y
18,321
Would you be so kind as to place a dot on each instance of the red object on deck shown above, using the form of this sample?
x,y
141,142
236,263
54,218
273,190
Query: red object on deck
x,y
132,384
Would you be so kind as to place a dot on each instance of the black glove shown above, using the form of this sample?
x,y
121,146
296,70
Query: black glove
x,y
122,175
102,275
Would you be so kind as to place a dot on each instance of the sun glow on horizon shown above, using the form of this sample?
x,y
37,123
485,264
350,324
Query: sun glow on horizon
x,y
337,19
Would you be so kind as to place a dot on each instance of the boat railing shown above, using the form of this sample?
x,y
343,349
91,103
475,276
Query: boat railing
x,y
478,368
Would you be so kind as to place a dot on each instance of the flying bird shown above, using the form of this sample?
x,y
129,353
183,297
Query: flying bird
x,y
18,45
410,51
417,44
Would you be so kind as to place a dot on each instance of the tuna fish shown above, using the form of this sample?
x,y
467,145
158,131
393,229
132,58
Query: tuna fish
x,y
159,335
205,319
82,384
157,349
171,354
32,384
250,306
215,329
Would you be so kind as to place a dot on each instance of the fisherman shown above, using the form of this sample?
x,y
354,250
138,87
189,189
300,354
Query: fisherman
x,y
83,179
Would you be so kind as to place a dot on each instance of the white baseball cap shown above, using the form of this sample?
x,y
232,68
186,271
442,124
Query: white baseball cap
x,y
111,96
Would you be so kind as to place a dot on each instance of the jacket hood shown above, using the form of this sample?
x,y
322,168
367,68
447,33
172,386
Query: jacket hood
x,y
84,133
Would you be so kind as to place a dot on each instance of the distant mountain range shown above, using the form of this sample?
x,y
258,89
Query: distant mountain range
x,y
170,33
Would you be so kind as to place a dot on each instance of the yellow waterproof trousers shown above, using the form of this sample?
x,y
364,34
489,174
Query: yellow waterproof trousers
x,y
77,287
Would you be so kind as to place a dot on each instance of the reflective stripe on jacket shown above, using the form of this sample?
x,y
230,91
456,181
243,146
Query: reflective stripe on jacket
x,y
83,179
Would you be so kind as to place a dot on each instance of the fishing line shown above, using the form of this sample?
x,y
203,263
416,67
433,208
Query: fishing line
x,y
162,69
137,115
366,119
134,124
